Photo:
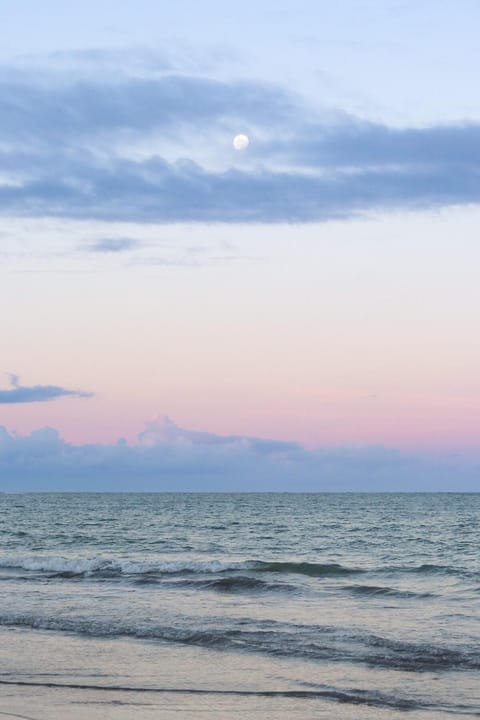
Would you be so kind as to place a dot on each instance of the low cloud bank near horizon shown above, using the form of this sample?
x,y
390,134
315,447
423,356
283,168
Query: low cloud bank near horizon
x,y
170,458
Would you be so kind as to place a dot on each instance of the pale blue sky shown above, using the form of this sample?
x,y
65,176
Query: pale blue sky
x,y
319,288
402,61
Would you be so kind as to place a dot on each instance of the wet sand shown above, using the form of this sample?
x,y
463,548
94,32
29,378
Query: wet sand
x,y
35,703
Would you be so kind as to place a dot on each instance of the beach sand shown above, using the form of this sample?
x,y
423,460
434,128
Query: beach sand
x,y
41,703
47,676
34,703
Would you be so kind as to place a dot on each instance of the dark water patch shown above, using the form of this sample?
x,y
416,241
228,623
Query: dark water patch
x,y
216,527
433,569
380,590
306,568
15,578
237,584
146,579
228,584
66,575
420,657
107,572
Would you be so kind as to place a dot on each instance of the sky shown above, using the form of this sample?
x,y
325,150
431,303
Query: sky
x,y
301,314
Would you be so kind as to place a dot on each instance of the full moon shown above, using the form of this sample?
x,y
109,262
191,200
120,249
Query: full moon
x,y
241,142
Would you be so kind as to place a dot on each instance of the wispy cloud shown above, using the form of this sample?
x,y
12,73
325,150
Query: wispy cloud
x,y
36,393
113,245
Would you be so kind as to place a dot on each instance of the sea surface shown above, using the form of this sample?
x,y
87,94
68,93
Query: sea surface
x,y
241,605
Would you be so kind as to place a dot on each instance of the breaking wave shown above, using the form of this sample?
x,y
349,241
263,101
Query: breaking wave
x,y
89,566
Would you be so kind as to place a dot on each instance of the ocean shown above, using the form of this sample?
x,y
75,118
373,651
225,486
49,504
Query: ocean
x,y
285,605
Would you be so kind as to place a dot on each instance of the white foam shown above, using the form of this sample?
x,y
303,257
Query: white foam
x,y
124,566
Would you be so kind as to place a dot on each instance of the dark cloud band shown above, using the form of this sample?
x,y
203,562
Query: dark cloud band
x,y
60,152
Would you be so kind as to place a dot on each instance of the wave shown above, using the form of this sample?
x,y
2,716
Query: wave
x,y
224,584
379,590
320,643
419,657
67,567
430,569
237,583
307,568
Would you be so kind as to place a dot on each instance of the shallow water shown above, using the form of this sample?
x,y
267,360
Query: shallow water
x,y
278,605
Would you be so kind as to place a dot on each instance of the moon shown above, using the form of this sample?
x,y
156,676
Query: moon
x,y
241,142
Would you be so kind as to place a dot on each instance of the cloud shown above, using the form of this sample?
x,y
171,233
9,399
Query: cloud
x,y
347,142
161,192
163,431
37,111
155,147
170,458
113,245
36,393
